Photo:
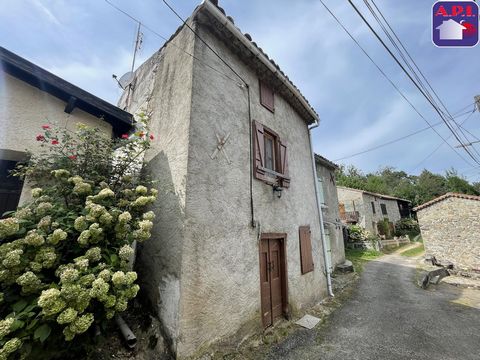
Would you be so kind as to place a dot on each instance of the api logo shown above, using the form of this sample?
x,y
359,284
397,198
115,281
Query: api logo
x,y
455,24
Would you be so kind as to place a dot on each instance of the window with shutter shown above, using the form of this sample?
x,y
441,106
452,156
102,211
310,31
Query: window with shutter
x,y
267,97
270,160
306,257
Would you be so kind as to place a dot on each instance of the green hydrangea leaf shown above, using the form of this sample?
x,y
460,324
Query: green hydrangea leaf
x,y
42,332
18,324
19,305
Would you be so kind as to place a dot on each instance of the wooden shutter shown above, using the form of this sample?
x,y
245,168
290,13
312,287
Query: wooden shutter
x,y
258,151
267,97
283,160
306,257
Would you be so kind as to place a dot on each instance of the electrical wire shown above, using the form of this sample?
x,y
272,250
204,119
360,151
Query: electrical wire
x,y
439,146
390,80
204,42
166,40
437,110
418,77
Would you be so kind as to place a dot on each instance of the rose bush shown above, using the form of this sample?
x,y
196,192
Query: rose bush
x,y
64,257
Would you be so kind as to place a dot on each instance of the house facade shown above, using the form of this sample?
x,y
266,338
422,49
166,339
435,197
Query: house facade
x,y
333,227
31,97
368,209
237,241
450,225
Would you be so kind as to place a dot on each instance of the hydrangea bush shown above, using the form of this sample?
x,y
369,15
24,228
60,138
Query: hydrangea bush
x,y
64,257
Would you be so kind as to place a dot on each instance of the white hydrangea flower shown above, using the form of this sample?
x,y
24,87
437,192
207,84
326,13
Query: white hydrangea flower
x,y
124,217
8,227
141,190
149,215
36,192
125,252
34,239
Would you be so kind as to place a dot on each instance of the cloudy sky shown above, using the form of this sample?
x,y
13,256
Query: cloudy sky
x,y
86,41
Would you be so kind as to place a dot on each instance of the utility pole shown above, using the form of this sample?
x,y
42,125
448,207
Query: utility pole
x,y
477,102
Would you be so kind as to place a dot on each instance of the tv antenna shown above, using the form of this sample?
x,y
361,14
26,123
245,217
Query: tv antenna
x,y
126,80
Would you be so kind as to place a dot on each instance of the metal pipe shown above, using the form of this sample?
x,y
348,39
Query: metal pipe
x,y
320,213
127,334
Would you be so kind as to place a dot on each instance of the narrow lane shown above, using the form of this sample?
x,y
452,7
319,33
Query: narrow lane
x,y
389,317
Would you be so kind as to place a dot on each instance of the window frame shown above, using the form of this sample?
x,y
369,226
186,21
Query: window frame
x,y
279,176
383,207
373,207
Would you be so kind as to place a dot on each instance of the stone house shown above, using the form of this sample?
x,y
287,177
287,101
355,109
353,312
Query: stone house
x,y
450,227
333,226
237,240
30,97
367,209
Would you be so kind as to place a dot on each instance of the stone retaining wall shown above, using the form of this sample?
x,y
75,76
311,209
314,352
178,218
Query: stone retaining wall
x,y
451,231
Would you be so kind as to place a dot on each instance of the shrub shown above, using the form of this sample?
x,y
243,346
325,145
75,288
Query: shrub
x,y
64,257
407,226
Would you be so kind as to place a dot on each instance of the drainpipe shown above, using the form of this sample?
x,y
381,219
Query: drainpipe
x,y
320,213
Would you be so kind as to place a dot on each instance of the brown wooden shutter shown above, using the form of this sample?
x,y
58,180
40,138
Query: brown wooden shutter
x,y
258,151
306,256
267,97
283,168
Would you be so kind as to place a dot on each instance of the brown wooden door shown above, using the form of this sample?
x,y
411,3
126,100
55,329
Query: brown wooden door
x,y
272,278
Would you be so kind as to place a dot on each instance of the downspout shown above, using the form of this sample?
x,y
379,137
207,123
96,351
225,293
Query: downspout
x,y
320,213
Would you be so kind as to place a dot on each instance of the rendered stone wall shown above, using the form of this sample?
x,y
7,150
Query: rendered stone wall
x,y
23,110
163,86
393,212
450,231
220,286
331,214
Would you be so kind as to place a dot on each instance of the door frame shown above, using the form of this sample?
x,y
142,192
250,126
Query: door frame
x,y
282,237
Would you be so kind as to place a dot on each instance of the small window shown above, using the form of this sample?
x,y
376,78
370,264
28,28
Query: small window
x,y
306,256
270,151
384,209
373,208
267,97
270,161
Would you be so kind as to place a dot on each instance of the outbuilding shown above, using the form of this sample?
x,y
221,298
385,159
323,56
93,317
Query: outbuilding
x,y
450,227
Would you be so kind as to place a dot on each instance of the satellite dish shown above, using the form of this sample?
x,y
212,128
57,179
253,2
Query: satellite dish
x,y
126,80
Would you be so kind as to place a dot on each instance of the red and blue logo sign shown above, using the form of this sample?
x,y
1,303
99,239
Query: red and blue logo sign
x,y
455,24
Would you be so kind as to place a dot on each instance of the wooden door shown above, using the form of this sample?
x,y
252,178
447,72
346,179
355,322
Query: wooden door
x,y
265,284
275,278
272,279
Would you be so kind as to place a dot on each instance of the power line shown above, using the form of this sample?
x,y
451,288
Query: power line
x,y
388,78
388,142
166,40
204,42
413,81
440,145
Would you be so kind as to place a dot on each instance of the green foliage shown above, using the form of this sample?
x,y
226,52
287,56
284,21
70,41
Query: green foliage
x,y
384,228
407,226
418,189
413,252
360,257
64,257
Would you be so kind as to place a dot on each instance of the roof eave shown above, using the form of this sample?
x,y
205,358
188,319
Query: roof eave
x,y
222,19
42,79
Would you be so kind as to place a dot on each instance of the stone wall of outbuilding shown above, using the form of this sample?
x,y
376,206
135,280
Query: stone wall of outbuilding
x,y
451,231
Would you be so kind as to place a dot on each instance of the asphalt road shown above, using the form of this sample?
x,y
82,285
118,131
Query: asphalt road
x,y
389,317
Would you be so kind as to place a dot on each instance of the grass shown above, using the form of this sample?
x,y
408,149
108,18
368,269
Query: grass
x,y
359,257
416,251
